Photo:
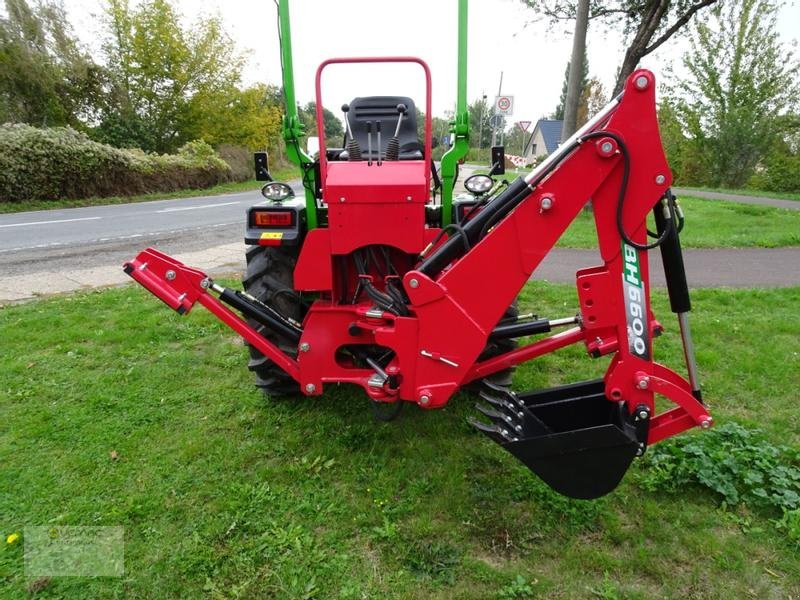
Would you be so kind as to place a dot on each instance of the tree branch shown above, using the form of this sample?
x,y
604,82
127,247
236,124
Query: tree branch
x,y
677,25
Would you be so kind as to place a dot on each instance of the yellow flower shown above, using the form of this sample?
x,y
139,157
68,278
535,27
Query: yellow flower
x,y
12,538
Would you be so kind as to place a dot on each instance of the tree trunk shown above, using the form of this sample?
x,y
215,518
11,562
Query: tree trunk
x,y
575,70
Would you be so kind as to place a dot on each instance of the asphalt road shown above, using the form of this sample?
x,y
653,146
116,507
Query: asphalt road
x,y
77,238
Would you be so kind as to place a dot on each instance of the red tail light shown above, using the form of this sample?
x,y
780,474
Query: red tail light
x,y
273,218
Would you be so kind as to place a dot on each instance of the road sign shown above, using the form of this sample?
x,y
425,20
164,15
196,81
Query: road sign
x,y
524,125
496,121
504,105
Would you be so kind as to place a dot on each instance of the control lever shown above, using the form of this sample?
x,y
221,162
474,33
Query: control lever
x,y
393,147
369,143
353,149
378,127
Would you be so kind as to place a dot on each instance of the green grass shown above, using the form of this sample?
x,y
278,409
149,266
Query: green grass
x,y
711,224
223,493
225,188
748,192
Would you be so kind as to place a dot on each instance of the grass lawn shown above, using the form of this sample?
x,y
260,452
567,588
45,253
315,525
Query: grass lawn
x,y
711,224
223,493
224,188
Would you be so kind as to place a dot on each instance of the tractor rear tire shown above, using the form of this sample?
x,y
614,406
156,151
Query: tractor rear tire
x,y
270,278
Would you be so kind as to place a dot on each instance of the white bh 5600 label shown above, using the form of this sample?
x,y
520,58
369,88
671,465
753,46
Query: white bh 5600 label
x,y
635,314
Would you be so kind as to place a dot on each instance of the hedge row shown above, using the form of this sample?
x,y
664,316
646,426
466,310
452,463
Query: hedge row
x,y
61,163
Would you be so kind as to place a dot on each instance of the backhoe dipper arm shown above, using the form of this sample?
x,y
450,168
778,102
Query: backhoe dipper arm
x,y
616,161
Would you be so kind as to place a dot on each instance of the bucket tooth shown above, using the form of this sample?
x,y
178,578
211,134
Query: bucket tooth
x,y
507,406
499,434
501,418
574,438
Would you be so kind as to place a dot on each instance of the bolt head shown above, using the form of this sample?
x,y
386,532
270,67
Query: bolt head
x,y
706,423
170,275
546,203
643,414
424,400
205,283
305,347
660,179
606,147
413,283
643,383
641,82
341,199
311,388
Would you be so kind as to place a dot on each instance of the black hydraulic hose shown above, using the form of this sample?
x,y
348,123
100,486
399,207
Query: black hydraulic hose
x,y
623,188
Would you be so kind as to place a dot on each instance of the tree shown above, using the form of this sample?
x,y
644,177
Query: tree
x,y
558,113
575,85
593,98
46,77
480,131
334,129
250,117
740,82
646,23
157,67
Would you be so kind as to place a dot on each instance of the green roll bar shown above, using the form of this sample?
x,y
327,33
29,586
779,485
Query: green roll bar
x,y
293,129
459,127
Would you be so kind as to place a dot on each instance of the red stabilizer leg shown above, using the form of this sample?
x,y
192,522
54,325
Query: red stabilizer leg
x,y
179,287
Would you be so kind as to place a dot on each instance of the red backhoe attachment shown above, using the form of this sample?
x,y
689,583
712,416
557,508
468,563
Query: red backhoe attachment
x,y
413,311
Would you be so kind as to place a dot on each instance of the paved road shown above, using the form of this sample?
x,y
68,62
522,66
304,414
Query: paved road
x,y
62,250
777,203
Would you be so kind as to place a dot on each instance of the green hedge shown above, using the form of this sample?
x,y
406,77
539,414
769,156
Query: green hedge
x,y
61,163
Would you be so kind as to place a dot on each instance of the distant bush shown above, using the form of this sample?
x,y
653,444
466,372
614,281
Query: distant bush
x,y
61,163
780,173
239,159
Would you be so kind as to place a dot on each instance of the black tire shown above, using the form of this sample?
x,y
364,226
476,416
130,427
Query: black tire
x,y
269,277
499,347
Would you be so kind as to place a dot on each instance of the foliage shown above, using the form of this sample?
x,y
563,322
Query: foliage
x,y
646,23
480,131
740,81
519,588
46,77
163,74
780,169
736,463
64,163
334,129
249,117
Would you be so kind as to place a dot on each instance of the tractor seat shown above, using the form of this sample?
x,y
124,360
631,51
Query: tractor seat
x,y
384,109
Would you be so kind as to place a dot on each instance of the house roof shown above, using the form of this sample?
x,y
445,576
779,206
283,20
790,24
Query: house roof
x,y
551,132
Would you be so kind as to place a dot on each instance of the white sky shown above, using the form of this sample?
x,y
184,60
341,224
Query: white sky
x,y
502,37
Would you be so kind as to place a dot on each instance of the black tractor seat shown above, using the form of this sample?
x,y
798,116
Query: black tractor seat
x,y
383,109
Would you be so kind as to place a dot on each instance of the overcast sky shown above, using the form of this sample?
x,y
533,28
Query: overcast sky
x,y
503,36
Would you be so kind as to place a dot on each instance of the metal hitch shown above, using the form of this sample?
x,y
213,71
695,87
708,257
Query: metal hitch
x,y
575,439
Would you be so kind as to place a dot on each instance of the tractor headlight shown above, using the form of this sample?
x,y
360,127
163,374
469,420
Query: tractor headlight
x,y
478,184
276,191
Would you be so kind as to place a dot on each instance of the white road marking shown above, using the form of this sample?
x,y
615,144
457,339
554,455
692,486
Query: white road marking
x,y
168,210
48,222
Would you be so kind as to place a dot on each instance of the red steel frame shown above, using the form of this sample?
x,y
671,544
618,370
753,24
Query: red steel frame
x,y
452,314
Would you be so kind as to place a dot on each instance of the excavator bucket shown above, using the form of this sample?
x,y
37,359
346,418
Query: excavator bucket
x,y
574,438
